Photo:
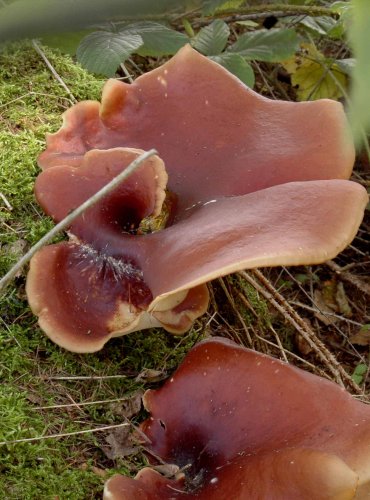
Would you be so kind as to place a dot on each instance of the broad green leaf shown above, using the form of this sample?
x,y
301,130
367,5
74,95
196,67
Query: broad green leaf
x,y
212,39
238,66
159,40
103,51
273,45
314,76
360,41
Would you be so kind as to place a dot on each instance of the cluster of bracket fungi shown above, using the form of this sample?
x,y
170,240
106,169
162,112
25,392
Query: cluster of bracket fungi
x,y
240,181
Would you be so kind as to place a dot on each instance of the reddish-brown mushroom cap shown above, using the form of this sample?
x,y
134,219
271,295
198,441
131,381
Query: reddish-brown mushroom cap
x,y
107,282
249,426
231,157
216,136
113,219
91,289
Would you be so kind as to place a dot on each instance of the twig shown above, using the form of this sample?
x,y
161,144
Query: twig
x,y
349,277
74,214
52,69
261,11
240,317
278,301
92,377
34,93
126,72
85,403
66,434
7,204
324,313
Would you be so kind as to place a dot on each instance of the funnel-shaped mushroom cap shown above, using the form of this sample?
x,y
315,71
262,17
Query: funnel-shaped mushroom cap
x,y
251,182
216,136
108,281
244,425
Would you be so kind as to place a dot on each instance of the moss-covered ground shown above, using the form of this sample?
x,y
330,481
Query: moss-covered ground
x,y
74,467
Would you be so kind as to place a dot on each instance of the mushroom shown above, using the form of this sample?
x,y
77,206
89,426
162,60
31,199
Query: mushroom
x,y
216,136
244,425
251,182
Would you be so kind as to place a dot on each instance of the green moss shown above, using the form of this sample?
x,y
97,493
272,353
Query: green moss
x,y
31,104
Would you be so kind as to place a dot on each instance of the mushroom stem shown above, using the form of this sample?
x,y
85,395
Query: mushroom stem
x,y
66,222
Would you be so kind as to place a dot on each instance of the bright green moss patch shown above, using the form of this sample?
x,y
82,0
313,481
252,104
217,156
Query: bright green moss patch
x,y
31,104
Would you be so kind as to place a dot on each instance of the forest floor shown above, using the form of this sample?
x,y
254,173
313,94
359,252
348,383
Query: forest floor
x,y
316,317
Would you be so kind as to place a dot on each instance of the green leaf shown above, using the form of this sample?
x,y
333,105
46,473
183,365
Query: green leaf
x,y
266,45
359,372
212,39
159,40
346,65
314,76
103,51
238,66
360,41
319,25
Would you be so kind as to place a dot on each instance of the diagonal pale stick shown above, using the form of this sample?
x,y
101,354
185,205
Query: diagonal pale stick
x,y
66,222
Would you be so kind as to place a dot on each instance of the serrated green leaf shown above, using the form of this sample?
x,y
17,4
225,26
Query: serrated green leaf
x,y
212,39
103,51
159,40
266,45
238,66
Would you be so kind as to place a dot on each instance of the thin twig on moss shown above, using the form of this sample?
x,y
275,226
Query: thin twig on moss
x,y
67,221
52,69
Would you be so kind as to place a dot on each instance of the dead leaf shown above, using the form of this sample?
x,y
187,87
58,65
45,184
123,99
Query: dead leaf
x,y
121,443
310,74
128,407
150,375
362,337
167,470
325,311
331,299
342,301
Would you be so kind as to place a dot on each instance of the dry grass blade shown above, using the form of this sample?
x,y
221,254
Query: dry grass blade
x,y
52,69
61,435
277,300
350,278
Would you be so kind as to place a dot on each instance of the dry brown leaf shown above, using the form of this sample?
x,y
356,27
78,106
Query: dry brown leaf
x,y
128,407
121,443
150,375
362,337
